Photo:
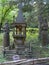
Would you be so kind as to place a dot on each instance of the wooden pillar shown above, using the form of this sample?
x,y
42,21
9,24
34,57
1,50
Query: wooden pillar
x,y
43,31
6,42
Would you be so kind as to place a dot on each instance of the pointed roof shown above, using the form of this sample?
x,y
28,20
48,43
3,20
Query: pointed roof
x,y
20,18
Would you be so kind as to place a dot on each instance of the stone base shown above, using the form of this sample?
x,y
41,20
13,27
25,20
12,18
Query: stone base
x,y
8,54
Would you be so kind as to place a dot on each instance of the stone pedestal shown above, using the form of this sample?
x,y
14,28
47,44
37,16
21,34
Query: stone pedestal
x,y
20,51
9,54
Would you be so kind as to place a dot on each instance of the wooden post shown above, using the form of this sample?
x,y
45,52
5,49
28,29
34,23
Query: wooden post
x,y
43,31
6,42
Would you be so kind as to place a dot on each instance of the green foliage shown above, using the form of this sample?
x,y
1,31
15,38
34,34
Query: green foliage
x,y
7,11
2,59
31,36
31,10
1,38
27,8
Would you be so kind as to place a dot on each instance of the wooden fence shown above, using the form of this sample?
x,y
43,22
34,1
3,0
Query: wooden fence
x,y
39,61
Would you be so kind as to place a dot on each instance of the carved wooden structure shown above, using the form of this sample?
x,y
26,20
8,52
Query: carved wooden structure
x,y
19,33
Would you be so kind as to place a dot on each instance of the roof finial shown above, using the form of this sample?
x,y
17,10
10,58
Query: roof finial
x,y
20,18
20,6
